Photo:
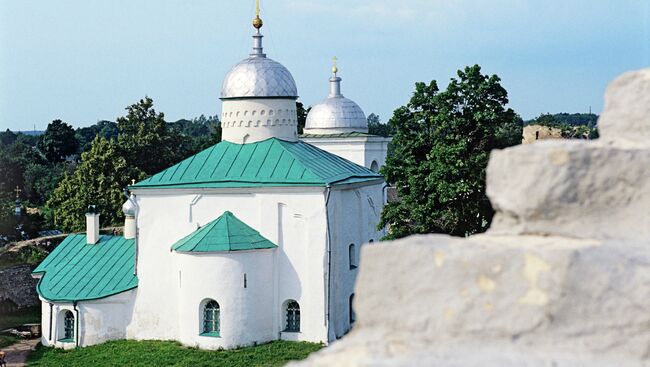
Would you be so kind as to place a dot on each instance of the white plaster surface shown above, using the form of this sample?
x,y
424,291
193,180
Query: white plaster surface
x,y
99,321
253,120
360,150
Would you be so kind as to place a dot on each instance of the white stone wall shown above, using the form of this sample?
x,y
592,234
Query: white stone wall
x,y
354,215
253,120
360,150
294,219
246,310
99,321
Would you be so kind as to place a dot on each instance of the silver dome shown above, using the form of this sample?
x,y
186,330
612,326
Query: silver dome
x,y
259,77
337,113
129,207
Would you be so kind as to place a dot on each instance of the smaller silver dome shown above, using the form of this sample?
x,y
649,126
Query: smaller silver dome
x,y
336,113
129,208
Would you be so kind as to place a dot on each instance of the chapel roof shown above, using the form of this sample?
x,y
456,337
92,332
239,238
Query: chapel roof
x,y
268,163
78,271
224,234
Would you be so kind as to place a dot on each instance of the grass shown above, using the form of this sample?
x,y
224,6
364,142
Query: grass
x,y
6,341
30,315
158,353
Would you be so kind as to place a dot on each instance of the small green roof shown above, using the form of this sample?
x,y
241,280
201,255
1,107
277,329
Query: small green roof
x,y
224,234
77,271
272,162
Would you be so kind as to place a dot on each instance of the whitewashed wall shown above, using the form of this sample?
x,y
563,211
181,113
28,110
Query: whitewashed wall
x,y
354,215
253,120
99,321
294,219
246,314
360,150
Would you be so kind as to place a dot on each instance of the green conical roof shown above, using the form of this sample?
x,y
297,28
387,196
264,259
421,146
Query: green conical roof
x,y
224,234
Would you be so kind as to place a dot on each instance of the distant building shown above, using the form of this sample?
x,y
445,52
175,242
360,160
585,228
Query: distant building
x,y
533,133
255,239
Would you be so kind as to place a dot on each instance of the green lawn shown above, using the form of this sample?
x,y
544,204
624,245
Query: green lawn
x,y
6,341
158,354
30,315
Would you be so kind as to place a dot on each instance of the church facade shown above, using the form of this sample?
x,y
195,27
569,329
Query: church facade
x,y
252,240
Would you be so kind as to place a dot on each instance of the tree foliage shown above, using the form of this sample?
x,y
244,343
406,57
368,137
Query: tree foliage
x,y
59,141
146,140
376,127
302,116
98,180
441,148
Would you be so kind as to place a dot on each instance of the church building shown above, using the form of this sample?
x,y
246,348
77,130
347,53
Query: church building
x,y
252,240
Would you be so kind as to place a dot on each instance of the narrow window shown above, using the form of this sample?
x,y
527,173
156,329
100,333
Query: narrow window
x,y
374,166
353,317
211,319
293,317
68,327
352,256
536,135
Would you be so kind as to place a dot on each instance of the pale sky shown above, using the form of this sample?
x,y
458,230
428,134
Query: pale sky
x,y
85,60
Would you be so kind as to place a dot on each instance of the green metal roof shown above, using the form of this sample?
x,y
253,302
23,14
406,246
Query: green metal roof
x,y
77,271
272,162
224,234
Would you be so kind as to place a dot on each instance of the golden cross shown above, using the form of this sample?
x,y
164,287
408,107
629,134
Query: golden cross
x,y
18,191
335,67
257,8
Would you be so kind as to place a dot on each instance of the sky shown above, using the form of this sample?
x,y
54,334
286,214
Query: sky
x,y
86,60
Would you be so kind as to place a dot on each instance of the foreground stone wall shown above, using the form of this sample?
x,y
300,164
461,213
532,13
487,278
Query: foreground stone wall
x,y
561,279
17,287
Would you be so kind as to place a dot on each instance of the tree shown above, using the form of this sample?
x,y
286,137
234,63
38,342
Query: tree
x,y
86,135
146,140
99,180
376,127
302,116
7,137
59,141
441,149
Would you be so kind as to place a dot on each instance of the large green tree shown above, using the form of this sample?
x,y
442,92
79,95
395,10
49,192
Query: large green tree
x,y
147,141
99,180
59,141
440,153
145,145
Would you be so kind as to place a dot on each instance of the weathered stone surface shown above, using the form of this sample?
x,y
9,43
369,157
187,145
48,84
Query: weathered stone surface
x,y
561,279
627,109
571,188
510,299
18,286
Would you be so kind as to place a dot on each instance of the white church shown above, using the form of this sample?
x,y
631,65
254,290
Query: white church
x,y
252,240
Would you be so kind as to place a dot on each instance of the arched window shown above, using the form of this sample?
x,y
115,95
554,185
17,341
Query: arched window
x,y
293,317
68,327
352,256
211,313
353,317
374,166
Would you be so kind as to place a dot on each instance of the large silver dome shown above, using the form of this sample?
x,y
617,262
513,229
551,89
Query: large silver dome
x,y
336,113
259,77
